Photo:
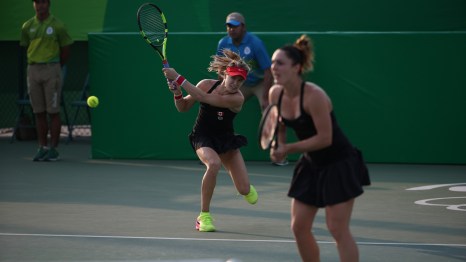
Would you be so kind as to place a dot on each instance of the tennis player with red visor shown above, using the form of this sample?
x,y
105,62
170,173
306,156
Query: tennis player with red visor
x,y
213,137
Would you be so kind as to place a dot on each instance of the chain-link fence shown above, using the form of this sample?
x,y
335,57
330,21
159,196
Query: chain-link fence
x,y
13,87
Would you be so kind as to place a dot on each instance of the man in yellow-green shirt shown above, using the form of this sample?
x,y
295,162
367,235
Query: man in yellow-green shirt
x,y
48,47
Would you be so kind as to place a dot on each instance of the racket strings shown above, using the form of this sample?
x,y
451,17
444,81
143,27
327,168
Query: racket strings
x,y
269,127
153,25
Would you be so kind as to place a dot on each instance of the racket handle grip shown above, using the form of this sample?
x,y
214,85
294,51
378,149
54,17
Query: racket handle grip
x,y
165,64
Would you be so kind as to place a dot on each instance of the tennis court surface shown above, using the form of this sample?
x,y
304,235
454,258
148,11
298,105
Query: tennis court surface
x,y
80,209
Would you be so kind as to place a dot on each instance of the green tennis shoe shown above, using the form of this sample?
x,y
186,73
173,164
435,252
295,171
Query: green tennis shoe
x,y
204,222
252,196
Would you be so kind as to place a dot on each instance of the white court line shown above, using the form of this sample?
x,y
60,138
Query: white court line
x,y
300,32
225,239
429,187
121,163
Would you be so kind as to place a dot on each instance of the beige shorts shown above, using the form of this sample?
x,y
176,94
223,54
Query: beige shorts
x,y
44,87
256,90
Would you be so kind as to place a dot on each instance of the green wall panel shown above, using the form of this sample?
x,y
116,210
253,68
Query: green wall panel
x,y
83,17
299,15
394,69
399,97
80,17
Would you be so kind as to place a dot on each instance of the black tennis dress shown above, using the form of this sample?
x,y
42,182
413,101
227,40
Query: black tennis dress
x,y
214,128
330,175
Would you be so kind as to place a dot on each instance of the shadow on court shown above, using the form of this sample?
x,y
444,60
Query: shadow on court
x,y
80,209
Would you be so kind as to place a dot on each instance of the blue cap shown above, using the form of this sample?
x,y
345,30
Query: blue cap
x,y
233,23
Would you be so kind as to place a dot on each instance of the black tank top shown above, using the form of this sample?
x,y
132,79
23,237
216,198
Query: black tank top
x,y
304,127
212,120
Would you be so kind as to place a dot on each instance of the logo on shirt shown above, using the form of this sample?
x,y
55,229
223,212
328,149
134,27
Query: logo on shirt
x,y
220,115
49,30
247,50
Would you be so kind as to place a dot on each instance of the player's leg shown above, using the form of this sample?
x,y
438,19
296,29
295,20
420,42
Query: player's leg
x,y
213,164
338,221
234,163
211,160
302,219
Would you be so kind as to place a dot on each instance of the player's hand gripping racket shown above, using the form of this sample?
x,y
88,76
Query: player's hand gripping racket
x,y
268,127
153,28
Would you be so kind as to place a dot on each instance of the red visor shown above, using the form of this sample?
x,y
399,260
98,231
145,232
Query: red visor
x,y
237,71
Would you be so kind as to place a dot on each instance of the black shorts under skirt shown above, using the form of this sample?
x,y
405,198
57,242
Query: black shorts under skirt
x,y
329,184
220,144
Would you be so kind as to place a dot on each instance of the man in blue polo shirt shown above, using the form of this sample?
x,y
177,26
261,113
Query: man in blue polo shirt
x,y
253,51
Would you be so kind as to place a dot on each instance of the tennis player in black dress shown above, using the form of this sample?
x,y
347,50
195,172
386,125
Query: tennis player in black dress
x,y
331,172
213,136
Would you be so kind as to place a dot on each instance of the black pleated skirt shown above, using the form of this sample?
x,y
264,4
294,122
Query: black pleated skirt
x,y
330,184
220,144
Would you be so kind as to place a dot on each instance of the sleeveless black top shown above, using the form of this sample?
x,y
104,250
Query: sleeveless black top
x,y
304,127
212,120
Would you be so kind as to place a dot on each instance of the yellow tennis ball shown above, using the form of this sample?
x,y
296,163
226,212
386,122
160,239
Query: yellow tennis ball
x,y
92,101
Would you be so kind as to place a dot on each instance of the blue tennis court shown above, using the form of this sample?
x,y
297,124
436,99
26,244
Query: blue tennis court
x,y
80,209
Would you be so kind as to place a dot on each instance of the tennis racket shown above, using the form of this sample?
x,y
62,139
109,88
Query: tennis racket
x,y
268,127
153,28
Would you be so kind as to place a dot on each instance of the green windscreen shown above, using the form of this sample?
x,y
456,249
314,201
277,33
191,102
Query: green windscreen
x,y
396,99
394,70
